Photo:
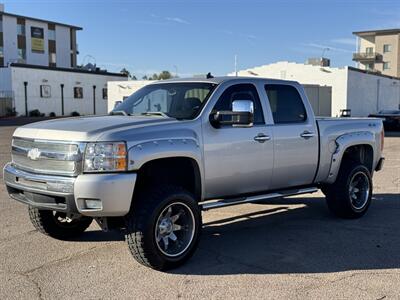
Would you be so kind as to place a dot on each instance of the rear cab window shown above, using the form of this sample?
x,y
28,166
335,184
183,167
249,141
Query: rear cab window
x,y
286,104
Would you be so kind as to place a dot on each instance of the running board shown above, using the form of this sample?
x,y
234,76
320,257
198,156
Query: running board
x,y
236,201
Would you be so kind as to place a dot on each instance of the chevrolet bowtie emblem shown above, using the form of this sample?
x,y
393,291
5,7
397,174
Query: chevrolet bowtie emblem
x,y
34,153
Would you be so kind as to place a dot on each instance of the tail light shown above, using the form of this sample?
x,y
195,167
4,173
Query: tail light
x,y
382,138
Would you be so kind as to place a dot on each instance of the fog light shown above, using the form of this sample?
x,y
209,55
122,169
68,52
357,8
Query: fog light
x,y
93,204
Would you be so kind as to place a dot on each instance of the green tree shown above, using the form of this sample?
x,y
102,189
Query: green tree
x,y
164,75
125,72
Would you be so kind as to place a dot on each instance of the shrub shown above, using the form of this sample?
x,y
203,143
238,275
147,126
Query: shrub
x,y
36,113
10,112
75,114
52,114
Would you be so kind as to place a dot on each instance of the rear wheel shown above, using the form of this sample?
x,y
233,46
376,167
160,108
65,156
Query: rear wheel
x,y
351,194
163,227
57,224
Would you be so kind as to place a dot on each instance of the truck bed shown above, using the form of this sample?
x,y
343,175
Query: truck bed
x,y
331,128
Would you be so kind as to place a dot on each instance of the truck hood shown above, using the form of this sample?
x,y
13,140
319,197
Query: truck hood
x,y
86,129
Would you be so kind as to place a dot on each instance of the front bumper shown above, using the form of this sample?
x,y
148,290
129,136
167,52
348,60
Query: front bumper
x,y
112,192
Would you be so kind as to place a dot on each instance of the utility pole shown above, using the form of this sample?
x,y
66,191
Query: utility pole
x,y
94,99
26,97
62,98
236,73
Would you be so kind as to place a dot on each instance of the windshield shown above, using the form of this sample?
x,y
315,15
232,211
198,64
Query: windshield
x,y
182,100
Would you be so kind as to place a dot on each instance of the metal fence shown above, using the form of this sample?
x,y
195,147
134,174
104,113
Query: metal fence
x,y
6,103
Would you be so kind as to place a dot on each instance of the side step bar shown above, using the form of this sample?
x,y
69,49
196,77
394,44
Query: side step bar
x,y
236,201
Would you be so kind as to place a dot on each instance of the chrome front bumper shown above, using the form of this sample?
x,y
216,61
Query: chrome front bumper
x,y
112,192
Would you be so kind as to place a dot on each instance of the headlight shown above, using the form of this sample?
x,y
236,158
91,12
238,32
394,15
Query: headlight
x,y
105,157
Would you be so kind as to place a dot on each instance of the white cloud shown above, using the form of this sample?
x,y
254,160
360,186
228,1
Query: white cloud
x,y
322,47
177,20
169,19
344,41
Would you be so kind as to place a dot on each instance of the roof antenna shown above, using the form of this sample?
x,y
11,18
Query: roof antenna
x,y
208,76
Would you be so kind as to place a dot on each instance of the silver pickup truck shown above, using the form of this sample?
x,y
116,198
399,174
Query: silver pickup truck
x,y
178,147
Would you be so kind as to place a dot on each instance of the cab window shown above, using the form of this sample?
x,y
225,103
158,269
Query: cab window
x,y
286,104
241,92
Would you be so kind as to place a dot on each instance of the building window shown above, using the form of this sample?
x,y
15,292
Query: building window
x,y
386,65
52,58
45,91
52,35
369,67
21,54
369,50
387,48
1,51
105,93
1,23
78,92
21,29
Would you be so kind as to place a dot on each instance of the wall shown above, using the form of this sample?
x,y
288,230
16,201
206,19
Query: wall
x,y
320,98
369,93
392,56
36,58
63,42
308,74
5,79
63,52
117,90
10,39
53,78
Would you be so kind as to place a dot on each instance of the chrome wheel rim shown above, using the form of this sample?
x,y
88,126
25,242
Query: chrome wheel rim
x,y
359,190
175,229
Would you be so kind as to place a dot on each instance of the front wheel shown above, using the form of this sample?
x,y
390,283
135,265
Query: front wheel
x,y
351,194
163,227
57,225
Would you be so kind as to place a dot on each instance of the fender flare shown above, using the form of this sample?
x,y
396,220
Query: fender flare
x,y
142,153
344,142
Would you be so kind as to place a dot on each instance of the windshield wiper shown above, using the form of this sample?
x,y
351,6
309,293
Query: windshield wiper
x,y
154,113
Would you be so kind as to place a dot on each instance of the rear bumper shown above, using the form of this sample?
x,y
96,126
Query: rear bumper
x,y
380,163
112,193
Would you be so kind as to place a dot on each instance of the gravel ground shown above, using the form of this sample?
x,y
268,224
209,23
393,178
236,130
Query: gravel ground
x,y
286,248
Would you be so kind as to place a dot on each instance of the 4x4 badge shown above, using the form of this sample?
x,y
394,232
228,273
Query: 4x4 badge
x,y
34,153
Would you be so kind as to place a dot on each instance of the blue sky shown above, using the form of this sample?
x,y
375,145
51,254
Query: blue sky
x,y
197,37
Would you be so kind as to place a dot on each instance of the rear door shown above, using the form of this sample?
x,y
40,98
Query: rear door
x,y
295,136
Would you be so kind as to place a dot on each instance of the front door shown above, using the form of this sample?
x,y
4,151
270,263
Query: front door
x,y
237,160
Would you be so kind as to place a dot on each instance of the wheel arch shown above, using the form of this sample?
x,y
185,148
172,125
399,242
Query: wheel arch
x,y
358,147
182,171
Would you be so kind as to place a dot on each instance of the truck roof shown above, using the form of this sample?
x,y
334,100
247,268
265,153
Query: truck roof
x,y
220,79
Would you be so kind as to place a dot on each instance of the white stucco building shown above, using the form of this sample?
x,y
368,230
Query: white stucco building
x,y
57,90
360,91
38,69
120,90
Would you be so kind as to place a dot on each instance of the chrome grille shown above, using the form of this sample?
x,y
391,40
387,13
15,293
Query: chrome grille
x,y
47,157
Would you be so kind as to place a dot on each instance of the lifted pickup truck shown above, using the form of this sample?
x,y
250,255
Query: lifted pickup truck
x,y
176,148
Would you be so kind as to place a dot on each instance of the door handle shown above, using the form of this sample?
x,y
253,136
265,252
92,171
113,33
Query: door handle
x,y
261,138
306,134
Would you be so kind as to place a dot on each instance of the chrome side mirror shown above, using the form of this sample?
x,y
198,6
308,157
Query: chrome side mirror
x,y
242,114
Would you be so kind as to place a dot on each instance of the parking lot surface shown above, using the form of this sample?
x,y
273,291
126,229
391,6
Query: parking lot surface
x,y
286,248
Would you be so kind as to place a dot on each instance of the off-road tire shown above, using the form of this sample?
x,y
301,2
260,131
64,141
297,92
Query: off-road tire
x,y
141,224
338,197
45,222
